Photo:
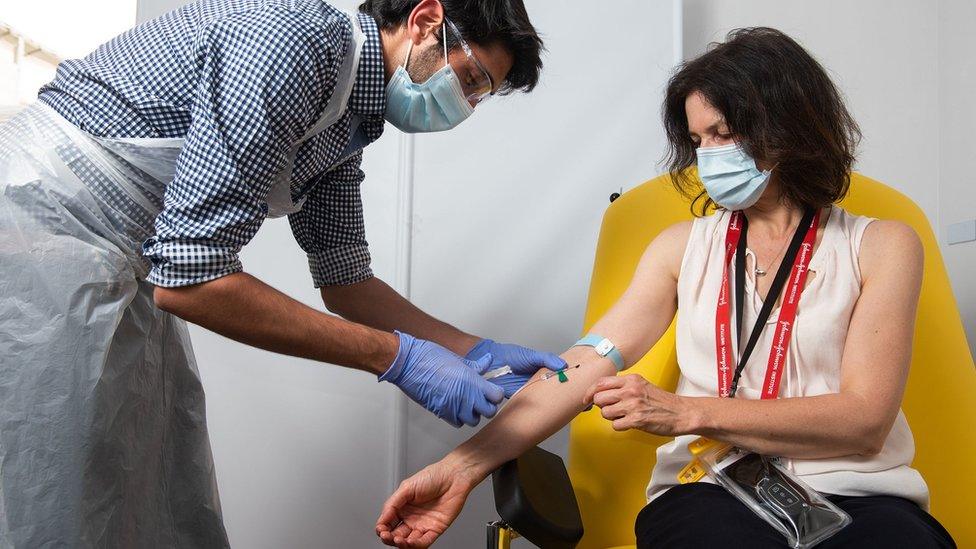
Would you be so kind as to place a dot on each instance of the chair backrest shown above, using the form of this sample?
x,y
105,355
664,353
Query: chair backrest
x,y
609,470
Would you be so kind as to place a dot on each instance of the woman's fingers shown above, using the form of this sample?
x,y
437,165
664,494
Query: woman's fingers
x,y
602,384
428,538
388,519
623,424
415,539
418,540
403,535
390,515
608,397
389,526
402,531
615,411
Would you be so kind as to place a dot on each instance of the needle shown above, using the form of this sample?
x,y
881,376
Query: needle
x,y
498,372
548,375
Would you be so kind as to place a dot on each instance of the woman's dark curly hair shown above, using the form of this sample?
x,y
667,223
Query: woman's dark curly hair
x,y
779,104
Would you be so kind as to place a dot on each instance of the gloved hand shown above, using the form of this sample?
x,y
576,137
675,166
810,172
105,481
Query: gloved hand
x,y
449,386
524,362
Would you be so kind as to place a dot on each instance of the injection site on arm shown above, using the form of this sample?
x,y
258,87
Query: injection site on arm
x,y
543,406
633,324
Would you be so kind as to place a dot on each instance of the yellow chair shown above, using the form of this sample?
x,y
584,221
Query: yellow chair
x,y
610,470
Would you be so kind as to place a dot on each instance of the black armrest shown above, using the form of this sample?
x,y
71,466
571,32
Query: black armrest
x,y
533,495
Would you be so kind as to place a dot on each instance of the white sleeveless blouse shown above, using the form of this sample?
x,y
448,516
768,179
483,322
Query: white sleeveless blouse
x,y
813,360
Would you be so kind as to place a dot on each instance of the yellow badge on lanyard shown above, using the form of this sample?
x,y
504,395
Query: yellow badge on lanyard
x,y
694,471
702,444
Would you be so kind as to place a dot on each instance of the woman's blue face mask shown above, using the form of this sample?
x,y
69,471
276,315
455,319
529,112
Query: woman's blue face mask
x,y
730,176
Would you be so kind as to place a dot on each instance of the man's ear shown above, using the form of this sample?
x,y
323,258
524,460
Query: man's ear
x,y
425,19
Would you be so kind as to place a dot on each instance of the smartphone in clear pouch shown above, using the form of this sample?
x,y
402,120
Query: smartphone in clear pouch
x,y
774,493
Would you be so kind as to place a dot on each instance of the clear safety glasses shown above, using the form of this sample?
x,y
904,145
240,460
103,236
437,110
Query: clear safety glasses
x,y
475,81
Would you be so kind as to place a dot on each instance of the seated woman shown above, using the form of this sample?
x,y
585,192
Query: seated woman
x,y
759,100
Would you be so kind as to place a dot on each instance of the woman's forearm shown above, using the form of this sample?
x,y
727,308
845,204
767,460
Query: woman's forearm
x,y
812,427
532,415
634,323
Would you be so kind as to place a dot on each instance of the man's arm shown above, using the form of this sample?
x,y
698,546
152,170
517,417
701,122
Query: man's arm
x,y
331,229
374,303
245,309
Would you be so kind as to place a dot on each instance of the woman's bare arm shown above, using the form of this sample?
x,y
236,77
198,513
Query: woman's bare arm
x,y
635,322
428,502
856,420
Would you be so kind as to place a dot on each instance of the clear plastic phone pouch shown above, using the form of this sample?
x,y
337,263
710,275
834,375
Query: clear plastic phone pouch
x,y
797,511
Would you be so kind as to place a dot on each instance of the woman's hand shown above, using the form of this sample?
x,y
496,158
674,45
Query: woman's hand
x,y
424,505
631,402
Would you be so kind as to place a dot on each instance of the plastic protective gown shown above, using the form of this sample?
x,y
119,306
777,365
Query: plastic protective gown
x,y
103,438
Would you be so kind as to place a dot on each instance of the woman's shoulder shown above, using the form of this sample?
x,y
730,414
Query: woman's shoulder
x,y
888,243
878,235
673,238
672,244
677,236
699,226
890,236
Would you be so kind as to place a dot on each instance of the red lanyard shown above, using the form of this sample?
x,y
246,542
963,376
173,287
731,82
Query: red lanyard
x,y
727,371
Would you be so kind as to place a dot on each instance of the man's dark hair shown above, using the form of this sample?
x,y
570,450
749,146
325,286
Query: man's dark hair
x,y
484,22
779,104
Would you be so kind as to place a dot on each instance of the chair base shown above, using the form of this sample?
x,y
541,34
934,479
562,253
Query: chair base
x,y
500,535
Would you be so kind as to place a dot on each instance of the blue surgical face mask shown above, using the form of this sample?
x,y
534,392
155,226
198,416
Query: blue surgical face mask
x,y
731,177
436,105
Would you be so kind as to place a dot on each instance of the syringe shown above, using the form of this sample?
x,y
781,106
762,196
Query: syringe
x,y
497,372
505,370
560,373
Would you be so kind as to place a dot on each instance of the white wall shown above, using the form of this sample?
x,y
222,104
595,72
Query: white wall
x,y
957,159
907,69
148,9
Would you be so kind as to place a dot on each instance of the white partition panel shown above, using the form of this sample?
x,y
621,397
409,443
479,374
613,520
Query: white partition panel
x,y
508,205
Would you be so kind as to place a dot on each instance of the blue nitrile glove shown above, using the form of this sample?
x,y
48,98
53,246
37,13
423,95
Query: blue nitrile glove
x,y
449,386
524,362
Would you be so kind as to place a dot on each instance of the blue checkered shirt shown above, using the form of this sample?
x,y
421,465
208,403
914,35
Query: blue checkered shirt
x,y
241,81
